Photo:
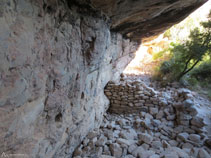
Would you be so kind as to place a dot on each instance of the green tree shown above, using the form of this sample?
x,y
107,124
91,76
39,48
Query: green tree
x,y
185,56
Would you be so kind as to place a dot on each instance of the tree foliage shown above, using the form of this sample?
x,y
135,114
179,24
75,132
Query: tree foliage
x,y
187,55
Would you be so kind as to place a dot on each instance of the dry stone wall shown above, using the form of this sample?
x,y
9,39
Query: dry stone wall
x,y
170,127
131,97
127,97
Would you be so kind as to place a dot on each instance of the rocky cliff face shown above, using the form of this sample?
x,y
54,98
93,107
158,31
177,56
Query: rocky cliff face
x,y
56,58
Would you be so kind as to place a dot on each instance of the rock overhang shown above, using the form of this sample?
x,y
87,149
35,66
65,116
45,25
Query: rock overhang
x,y
139,19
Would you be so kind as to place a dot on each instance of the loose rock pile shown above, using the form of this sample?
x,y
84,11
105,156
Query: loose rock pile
x,y
148,124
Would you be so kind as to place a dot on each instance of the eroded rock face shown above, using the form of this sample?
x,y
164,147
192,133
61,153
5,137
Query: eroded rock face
x,y
55,63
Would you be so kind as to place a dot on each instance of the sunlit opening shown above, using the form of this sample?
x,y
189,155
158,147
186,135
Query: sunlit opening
x,y
143,63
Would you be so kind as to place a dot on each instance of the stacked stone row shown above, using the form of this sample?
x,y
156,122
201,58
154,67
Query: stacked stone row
x,y
135,97
131,97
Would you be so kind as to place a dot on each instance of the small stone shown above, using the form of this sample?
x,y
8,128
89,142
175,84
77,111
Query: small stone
x,y
160,114
145,153
108,93
99,151
132,148
156,144
137,150
125,141
195,138
203,154
145,146
146,123
116,150
156,123
194,152
106,150
188,103
166,144
193,111
121,122
154,156
180,152
131,104
153,111
130,134
148,116
77,152
173,142
146,138
198,122
187,145
106,156
101,141
171,117
183,136
129,156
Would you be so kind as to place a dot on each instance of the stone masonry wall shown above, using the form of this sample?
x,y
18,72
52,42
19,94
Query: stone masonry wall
x,y
177,105
131,97
160,122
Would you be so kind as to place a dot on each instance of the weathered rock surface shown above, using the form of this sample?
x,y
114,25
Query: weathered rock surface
x,y
55,62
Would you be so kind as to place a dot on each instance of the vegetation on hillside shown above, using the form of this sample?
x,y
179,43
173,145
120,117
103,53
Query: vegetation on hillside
x,y
188,60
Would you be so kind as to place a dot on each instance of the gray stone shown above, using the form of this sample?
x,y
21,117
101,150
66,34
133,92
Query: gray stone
x,y
188,103
183,136
153,111
132,148
138,150
125,141
160,114
173,142
146,138
154,156
106,156
101,141
129,156
156,144
145,146
187,145
198,122
116,150
106,150
195,138
203,154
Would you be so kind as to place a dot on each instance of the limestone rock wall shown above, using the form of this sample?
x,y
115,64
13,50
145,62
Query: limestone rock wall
x,y
55,60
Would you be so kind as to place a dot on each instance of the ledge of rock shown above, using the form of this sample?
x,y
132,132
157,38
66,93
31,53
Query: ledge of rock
x,y
138,19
